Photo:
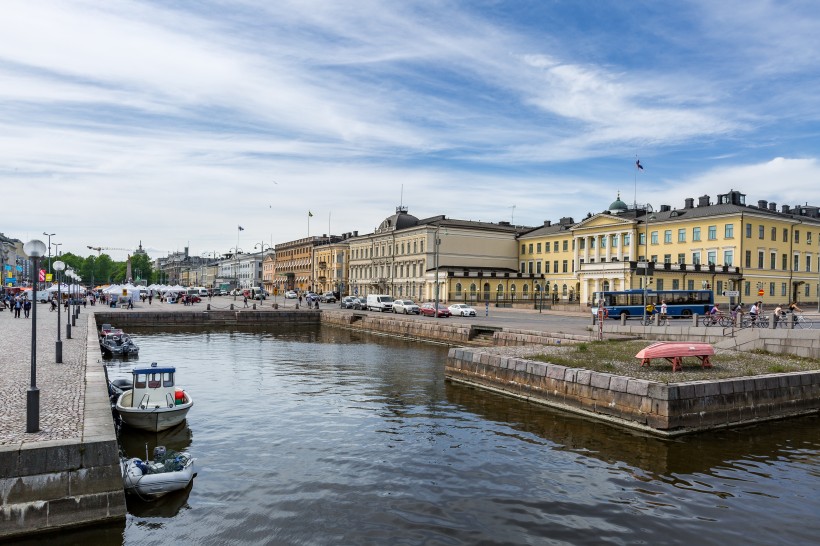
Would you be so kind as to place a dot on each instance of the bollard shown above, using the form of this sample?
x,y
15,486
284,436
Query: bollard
x,y
773,322
695,317
254,307
231,307
297,306
209,307
623,319
276,306
656,319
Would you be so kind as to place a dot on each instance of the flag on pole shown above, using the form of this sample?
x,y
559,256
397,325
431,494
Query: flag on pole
x,y
638,164
241,228
310,214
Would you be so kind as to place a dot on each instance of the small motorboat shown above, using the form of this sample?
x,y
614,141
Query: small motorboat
x,y
154,403
168,471
117,343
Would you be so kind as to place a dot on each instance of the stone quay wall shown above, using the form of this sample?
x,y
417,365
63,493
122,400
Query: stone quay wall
x,y
244,317
659,408
48,485
400,327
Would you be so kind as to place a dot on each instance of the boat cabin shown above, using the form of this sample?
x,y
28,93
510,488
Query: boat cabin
x,y
153,387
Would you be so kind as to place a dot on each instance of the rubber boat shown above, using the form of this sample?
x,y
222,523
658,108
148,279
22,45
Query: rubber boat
x,y
154,403
167,472
118,343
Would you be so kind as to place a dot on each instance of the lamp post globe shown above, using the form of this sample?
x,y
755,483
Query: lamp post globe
x,y
59,266
70,274
35,249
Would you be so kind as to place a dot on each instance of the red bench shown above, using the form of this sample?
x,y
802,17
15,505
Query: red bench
x,y
675,352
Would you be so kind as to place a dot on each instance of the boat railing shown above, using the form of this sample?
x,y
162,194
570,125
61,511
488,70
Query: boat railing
x,y
169,398
144,401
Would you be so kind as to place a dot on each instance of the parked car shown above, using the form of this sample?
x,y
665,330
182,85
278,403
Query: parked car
x,y
461,310
360,304
327,297
429,310
380,302
291,295
407,307
347,302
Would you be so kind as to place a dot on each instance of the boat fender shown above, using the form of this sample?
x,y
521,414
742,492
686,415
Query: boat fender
x,y
141,465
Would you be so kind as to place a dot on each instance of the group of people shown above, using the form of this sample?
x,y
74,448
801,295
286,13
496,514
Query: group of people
x,y
755,311
17,304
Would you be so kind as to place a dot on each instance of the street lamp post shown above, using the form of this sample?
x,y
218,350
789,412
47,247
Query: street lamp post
x,y
646,257
70,274
437,243
236,252
35,249
59,266
49,235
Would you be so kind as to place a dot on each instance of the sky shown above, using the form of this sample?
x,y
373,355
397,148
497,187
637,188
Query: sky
x,y
173,123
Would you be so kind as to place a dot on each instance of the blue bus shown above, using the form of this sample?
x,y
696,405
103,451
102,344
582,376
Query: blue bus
x,y
679,303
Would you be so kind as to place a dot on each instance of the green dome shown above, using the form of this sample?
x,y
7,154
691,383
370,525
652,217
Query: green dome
x,y
618,206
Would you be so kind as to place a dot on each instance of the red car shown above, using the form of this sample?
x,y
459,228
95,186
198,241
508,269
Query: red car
x,y
429,309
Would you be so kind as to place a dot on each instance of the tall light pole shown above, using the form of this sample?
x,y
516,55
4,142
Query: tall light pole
x,y
646,257
58,267
35,249
49,235
70,274
437,243
236,252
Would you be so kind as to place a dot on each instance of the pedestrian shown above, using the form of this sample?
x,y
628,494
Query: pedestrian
x,y
66,305
27,308
130,303
17,307
794,308
664,319
300,300
778,314
245,297
53,303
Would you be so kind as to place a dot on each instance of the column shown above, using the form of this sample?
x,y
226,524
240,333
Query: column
x,y
632,256
586,249
576,253
620,236
597,248
608,248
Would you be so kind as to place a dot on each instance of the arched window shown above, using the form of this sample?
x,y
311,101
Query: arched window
x,y
458,289
400,290
512,291
500,288
605,286
526,291
473,288
564,290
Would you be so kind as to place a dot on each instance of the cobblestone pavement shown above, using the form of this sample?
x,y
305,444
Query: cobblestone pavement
x,y
62,386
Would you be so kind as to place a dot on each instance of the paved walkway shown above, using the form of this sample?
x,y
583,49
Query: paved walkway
x,y
61,385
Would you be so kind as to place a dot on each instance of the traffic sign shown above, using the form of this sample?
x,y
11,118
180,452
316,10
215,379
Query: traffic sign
x,y
731,293
42,275
760,292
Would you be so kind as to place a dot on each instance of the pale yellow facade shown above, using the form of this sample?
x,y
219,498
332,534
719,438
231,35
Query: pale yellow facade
x,y
330,268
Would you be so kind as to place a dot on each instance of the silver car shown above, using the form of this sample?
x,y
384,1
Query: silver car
x,y
407,307
462,310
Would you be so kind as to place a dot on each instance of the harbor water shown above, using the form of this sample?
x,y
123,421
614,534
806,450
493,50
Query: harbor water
x,y
317,435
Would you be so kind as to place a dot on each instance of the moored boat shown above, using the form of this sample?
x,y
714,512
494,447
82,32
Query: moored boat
x,y
168,471
154,403
117,343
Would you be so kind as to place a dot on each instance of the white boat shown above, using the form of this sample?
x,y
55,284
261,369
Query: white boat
x,y
154,403
168,472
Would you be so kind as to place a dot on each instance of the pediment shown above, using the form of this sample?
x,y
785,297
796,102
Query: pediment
x,y
604,221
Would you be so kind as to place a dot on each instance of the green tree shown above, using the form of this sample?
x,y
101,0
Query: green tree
x,y
141,267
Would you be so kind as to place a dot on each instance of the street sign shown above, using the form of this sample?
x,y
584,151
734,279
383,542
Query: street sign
x,y
760,292
42,275
731,293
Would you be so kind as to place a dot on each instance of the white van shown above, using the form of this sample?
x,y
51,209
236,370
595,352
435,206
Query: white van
x,y
258,293
42,295
379,302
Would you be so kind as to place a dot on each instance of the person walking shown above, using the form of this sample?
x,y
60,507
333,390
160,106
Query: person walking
x,y
664,319
53,304
27,308
150,297
18,306
245,299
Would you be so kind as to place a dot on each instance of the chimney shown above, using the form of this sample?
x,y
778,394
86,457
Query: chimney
x,y
566,220
503,223
547,223
689,203
703,201
355,233
773,207
665,208
762,204
784,209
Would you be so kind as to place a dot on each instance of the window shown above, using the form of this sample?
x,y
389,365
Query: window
x,y
728,257
771,289
696,234
627,238
712,233
696,258
523,267
808,264
796,262
690,284
603,241
711,257
555,246
785,235
773,261
667,258
538,248
761,232
747,288
774,237
642,239
614,239
659,285
760,259
808,237
422,246
748,262
566,245
785,262
458,289
807,290
547,246
538,267
681,258
564,268
675,284
719,287
555,265
682,235
729,231
530,267
546,266
748,231
783,290
796,236
667,236
653,258
654,237
530,250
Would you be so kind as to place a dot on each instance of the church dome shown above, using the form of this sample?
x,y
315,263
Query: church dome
x,y
400,220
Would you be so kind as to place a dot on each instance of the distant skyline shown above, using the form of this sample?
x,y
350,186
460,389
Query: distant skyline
x,y
177,122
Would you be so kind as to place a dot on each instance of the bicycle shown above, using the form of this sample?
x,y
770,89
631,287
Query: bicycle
x,y
717,320
799,321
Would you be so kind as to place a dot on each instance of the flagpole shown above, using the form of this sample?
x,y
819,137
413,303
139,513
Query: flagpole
x,y
635,202
308,224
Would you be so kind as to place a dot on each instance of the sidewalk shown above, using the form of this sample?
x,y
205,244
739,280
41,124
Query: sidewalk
x,y
61,385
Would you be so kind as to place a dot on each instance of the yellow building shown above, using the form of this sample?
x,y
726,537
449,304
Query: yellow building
x,y
726,246
330,267
269,273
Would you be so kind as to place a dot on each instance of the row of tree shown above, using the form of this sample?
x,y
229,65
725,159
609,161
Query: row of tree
x,y
96,270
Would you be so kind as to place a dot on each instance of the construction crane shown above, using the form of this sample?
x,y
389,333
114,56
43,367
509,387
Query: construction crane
x,y
99,249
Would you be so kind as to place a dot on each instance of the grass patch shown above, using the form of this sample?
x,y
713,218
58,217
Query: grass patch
x,y
618,357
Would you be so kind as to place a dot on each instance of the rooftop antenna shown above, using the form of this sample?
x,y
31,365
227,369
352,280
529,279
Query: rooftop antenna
x,y
512,215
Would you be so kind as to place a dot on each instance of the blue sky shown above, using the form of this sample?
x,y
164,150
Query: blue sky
x,y
171,122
